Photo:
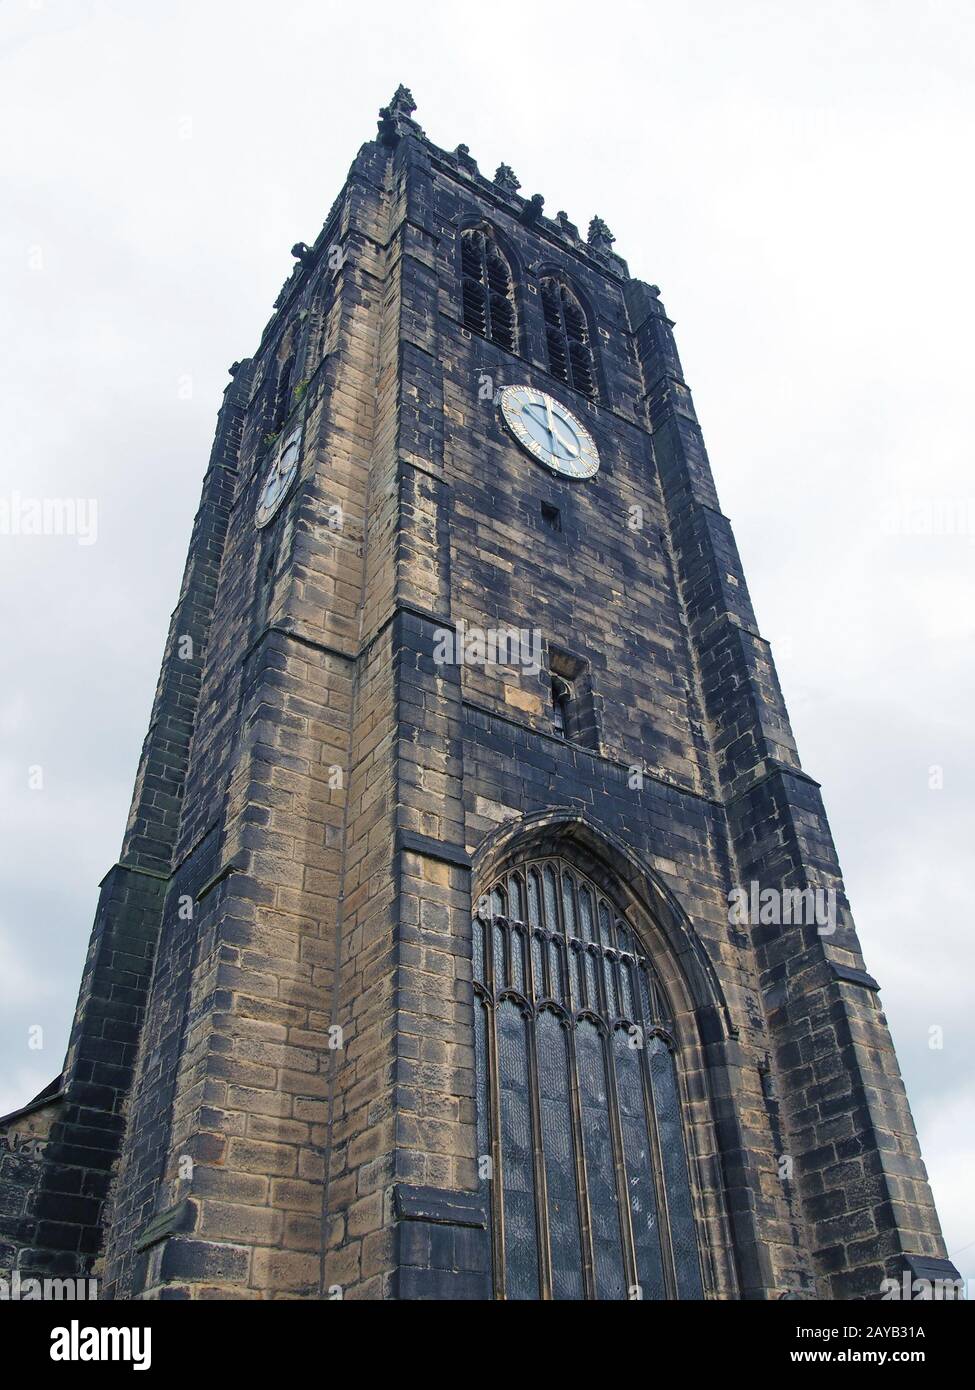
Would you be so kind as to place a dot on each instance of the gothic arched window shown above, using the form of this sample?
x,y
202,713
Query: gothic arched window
x,y
489,301
579,1105
282,391
567,338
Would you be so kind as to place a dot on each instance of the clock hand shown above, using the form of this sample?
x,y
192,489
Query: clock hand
x,y
537,406
571,446
556,435
550,422
568,441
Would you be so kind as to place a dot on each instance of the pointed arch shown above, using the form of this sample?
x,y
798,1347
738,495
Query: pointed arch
x,y
282,391
591,1082
487,286
648,905
568,336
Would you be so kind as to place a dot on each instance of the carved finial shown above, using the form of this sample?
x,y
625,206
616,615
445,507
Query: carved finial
x,y
402,103
463,156
395,119
532,210
568,227
505,179
600,237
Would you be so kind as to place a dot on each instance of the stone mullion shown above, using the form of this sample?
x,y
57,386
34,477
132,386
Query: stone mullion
x,y
659,1182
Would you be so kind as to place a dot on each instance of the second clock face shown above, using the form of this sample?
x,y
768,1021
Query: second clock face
x,y
280,475
549,432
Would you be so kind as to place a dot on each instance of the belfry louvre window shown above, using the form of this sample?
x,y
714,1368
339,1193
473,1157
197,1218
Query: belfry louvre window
x,y
567,338
282,392
579,1104
489,302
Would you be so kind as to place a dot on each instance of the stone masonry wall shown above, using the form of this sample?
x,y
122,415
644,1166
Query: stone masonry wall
x,y
273,1059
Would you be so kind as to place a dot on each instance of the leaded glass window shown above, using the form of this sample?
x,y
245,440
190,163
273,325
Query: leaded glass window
x,y
580,1123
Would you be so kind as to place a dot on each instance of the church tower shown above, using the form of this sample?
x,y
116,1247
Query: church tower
x,y
476,932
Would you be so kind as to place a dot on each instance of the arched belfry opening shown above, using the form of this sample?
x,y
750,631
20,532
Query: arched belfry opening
x,y
487,288
587,1057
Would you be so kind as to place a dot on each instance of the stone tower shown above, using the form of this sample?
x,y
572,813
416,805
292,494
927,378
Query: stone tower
x,y
476,931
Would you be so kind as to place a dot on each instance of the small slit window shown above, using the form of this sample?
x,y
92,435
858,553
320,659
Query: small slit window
x,y
561,700
572,702
551,516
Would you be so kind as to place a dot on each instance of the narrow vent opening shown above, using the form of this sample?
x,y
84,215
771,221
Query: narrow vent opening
x,y
551,516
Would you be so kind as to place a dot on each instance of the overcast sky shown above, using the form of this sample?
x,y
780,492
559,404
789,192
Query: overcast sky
x,y
797,179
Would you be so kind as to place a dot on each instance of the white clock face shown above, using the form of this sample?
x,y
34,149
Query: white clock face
x,y
549,432
280,476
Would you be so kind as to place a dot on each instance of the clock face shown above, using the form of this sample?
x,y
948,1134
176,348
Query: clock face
x,y
280,476
549,432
